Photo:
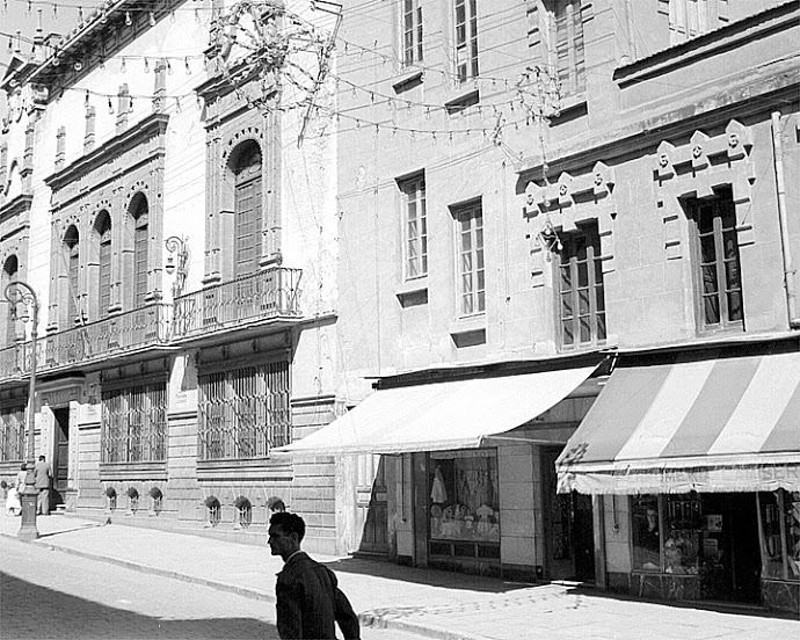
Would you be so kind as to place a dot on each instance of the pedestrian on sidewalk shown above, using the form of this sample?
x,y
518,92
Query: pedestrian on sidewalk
x,y
308,597
13,504
43,474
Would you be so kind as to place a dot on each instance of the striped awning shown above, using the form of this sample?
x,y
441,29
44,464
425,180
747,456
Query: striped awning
x,y
719,424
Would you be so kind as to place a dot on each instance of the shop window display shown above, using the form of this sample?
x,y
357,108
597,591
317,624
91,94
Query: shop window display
x,y
463,497
780,534
646,533
682,525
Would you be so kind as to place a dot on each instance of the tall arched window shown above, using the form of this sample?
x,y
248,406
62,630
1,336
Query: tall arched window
x,y
72,254
102,230
10,273
139,212
247,205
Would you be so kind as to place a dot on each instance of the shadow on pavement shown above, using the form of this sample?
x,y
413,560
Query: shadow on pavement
x,y
431,577
31,612
732,608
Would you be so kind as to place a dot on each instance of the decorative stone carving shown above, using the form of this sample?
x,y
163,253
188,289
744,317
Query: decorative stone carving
x,y
690,170
554,208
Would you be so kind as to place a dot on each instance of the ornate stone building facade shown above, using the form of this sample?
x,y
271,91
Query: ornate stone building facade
x,y
150,196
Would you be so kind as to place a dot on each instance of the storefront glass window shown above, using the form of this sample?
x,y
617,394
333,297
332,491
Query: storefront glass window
x,y
792,519
772,551
780,525
646,534
682,524
463,496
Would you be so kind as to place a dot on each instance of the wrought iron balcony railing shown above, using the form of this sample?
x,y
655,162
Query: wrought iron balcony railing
x,y
111,336
265,295
117,334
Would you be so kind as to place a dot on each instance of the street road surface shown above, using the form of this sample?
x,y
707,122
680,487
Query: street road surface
x,y
51,595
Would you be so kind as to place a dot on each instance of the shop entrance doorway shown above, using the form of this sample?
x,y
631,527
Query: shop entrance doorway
x,y
568,527
60,457
731,558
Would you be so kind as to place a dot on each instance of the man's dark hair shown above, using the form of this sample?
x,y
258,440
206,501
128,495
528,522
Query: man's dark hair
x,y
290,523
41,458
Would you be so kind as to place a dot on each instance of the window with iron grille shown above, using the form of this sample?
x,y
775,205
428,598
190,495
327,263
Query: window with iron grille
x,y
134,424
416,227
716,255
412,31
247,206
12,434
566,45
244,412
471,268
582,307
466,23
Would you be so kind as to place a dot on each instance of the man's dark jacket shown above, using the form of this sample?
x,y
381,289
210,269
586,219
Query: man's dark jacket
x,y
309,601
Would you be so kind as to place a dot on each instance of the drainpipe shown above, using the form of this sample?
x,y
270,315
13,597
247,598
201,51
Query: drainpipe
x,y
786,249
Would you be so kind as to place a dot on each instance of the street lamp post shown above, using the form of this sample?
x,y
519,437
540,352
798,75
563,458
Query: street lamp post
x,y
178,252
17,293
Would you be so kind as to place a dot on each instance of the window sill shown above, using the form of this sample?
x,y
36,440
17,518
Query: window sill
x,y
131,470
469,331
572,106
466,99
408,79
271,469
413,292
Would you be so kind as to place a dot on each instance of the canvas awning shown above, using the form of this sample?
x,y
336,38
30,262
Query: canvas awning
x,y
457,414
714,424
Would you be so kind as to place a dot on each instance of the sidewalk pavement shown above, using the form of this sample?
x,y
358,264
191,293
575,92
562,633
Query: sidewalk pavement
x,y
436,604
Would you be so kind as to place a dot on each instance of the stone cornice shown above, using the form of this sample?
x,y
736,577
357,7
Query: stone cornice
x,y
732,36
153,124
19,204
735,102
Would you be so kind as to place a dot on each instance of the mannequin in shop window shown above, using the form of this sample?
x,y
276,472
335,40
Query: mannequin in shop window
x,y
649,541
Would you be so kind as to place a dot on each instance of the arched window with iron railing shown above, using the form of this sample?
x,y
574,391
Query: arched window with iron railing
x,y
247,207
102,232
73,260
139,213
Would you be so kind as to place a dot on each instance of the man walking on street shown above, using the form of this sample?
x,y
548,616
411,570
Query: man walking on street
x,y
308,598
42,470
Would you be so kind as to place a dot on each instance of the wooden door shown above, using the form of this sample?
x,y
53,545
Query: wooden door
x,y
372,504
60,456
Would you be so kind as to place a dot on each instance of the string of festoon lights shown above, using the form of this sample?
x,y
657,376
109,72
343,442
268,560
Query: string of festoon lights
x,y
347,47
179,101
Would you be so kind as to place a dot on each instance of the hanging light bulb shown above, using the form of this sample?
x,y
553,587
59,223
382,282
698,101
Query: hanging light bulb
x,y
146,65
110,106
152,19
128,20
122,65
188,69
169,67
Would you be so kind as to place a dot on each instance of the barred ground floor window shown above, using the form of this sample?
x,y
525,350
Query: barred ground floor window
x,y
12,434
134,424
244,412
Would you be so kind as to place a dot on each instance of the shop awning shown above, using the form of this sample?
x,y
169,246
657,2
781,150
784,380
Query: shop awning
x,y
714,425
457,414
